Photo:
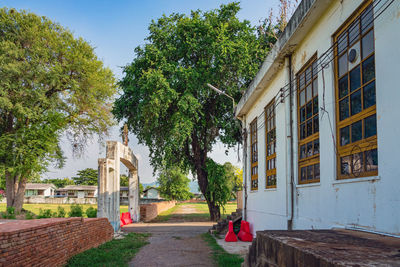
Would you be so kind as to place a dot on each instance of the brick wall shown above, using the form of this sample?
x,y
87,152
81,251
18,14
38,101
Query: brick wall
x,y
150,211
50,242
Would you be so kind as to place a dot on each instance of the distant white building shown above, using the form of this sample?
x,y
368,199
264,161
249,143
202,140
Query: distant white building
x,y
322,117
46,190
152,193
78,191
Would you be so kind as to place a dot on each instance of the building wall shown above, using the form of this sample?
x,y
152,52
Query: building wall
x,y
371,202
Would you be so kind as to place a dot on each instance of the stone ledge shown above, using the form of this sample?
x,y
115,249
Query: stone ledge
x,y
323,248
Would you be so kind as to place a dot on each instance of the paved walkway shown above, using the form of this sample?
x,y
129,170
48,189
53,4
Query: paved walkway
x,y
173,243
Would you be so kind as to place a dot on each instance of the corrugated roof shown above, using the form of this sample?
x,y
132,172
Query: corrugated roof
x,y
79,187
34,186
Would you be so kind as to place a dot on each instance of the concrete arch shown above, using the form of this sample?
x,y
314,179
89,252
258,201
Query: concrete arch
x,y
108,199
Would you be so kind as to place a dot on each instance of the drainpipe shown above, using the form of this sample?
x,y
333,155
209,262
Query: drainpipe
x,y
290,136
243,120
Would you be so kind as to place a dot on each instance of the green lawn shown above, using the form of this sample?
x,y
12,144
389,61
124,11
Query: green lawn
x,y
53,207
117,252
202,207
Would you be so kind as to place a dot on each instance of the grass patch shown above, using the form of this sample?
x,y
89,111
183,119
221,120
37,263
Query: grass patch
x,y
220,256
117,252
166,215
202,207
35,208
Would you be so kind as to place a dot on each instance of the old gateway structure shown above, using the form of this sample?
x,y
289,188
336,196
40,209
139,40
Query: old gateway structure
x,y
322,121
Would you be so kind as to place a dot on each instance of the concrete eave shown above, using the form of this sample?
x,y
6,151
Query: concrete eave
x,y
303,19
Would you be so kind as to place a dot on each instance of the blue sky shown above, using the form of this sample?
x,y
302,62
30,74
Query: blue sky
x,y
115,28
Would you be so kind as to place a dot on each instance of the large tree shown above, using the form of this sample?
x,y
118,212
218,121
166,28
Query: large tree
x,y
166,101
174,184
86,176
50,83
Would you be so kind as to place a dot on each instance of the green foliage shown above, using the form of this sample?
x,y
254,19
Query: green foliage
x,y
51,83
124,180
91,212
61,212
9,213
219,187
29,215
76,211
87,176
174,184
46,213
140,188
58,182
117,252
234,178
166,102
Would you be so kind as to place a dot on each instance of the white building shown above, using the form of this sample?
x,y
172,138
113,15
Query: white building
x,y
45,190
323,121
152,193
78,191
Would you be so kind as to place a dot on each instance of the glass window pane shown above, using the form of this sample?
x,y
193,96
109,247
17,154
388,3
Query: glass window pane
x,y
309,110
342,42
301,80
367,44
369,95
316,171
371,160
370,126
345,166
309,127
315,105
355,81
368,69
314,68
343,66
303,151
355,101
316,146
302,114
316,124
302,131
356,131
310,172
367,19
358,164
344,108
309,92
309,149
354,32
315,87
343,87
308,74
302,98
303,175
345,136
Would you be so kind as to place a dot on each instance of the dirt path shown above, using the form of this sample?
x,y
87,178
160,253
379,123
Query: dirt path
x,y
174,243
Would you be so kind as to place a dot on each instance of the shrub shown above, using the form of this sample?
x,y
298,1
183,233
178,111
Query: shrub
x,y
91,212
9,214
47,213
29,215
61,212
76,211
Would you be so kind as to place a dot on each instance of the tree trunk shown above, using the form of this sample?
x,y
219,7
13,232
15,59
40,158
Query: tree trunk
x,y
15,191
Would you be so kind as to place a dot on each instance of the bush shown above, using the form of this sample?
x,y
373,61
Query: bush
x,y
9,214
91,212
76,211
29,215
61,212
47,213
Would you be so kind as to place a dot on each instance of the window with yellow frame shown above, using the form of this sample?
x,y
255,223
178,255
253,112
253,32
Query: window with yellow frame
x,y
308,122
270,140
357,154
254,155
